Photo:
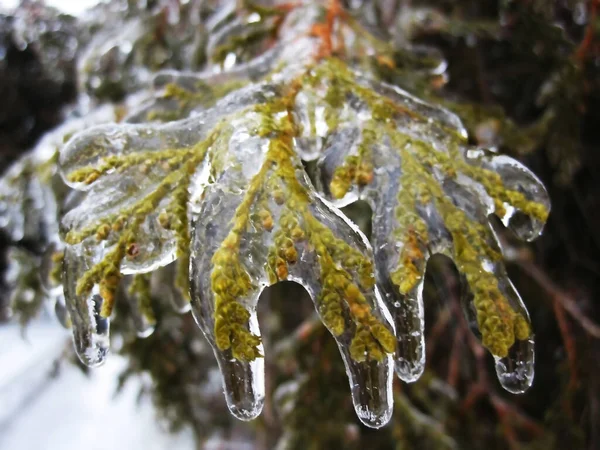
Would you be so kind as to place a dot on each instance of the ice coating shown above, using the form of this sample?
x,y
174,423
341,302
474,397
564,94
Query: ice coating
x,y
136,181
90,331
182,94
221,185
220,48
518,178
121,57
29,195
277,230
430,194
103,66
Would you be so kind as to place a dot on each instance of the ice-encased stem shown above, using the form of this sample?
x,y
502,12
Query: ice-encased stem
x,y
410,332
515,370
243,382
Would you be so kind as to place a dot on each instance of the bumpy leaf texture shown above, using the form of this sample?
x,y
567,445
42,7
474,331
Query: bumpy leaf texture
x,y
210,174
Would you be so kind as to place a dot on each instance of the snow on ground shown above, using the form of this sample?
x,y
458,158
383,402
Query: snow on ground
x,y
70,411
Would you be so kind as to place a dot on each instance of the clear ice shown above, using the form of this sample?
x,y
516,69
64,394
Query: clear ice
x,y
209,171
91,329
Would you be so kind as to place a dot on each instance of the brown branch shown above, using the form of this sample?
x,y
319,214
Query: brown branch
x,y
455,358
438,328
569,342
588,38
560,296
509,415
514,415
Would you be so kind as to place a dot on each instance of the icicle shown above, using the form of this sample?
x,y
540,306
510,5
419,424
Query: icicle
x,y
90,329
233,169
140,304
429,194
243,382
163,283
241,363
61,312
284,232
371,388
516,371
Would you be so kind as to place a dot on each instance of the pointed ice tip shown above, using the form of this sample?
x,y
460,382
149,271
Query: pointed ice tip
x,y
371,388
374,419
515,372
146,332
183,307
517,380
515,384
246,409
409,371
92,357
244,385
91,347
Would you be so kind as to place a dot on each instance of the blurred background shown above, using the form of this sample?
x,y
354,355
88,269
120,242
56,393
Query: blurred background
x,y
50,403
45,402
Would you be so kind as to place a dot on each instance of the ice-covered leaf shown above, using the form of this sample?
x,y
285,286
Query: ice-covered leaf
x,y
220,185
256,220
430,193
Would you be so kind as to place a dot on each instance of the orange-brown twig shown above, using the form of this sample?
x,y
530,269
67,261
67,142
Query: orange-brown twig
x,y
455,358
588,38
325,30
509,415
569,343
558,295
440,326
